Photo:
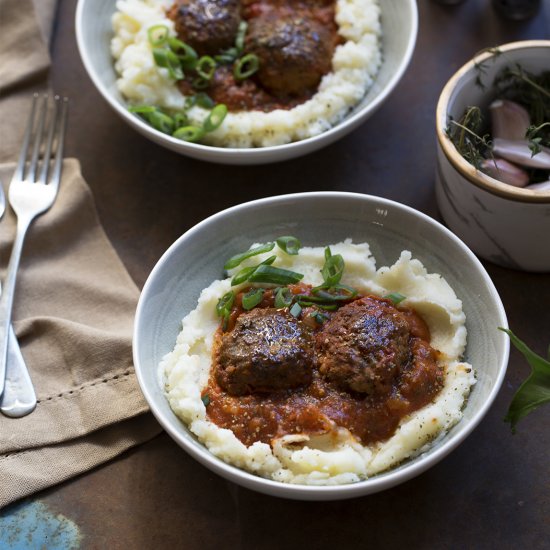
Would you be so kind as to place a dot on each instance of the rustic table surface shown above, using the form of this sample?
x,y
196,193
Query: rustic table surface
x,y
492,492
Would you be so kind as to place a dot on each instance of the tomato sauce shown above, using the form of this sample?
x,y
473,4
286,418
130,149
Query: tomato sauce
x,y
319,407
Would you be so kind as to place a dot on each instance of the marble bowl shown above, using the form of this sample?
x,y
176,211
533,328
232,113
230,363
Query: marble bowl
x,y
93,32
501,223
318,218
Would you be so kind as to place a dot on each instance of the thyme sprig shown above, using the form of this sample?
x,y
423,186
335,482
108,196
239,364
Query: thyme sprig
x,y
464,134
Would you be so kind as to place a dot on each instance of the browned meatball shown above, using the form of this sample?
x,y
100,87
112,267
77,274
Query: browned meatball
x,y
294,51
268,350
363,346
208,26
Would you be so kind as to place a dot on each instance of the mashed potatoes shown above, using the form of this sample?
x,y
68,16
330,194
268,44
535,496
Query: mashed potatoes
x,y
339,457
355,64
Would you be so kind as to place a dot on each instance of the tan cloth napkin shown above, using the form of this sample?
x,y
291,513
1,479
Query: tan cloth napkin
x,y
74,306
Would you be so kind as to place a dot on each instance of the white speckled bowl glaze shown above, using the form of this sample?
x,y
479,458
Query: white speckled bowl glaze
x,y
506,225
196,259
399,24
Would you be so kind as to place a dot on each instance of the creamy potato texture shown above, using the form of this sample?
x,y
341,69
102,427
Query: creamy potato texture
x,y
338,457
354,66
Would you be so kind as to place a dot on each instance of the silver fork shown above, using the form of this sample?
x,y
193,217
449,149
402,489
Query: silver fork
x,y
33,189
19,397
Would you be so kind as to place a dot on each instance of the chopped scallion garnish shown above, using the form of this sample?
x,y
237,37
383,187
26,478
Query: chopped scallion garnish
x,y
245,272
186,54
224,305
206,66
205,399
290,245
333,269
234,261
395,297
283,297
157,35
252,298
274,275
295,310
215,118
168,59
204,100
239,40
246,66
189,133
319,317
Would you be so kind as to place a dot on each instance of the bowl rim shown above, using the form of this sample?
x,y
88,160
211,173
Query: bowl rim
x,y
461,165
373,484
311,143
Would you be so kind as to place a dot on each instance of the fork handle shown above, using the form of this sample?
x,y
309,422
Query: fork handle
x,y
6,300
19,397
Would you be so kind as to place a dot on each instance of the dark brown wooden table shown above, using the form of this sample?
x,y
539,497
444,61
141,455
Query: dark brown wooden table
x,y
492,492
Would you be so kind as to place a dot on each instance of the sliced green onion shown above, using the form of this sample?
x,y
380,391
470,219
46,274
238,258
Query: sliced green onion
x,y
215,118
227,56
295,310
186,54
274,275
319,317
245,272
290,245
180,120
142,109
158,34
283,297
333,269
395,297
200,83
168,59
324,296
206,66
161,122
189,133
234,261
204,100
239,40
328,307
224,305
246,66
205,399
252,298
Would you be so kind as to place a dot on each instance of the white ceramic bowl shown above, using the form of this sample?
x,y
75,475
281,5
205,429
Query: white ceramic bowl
x,y
195,260
399,27
501,223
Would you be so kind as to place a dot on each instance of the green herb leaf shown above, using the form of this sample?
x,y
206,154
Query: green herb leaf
x,y
234,261
395,297
205,399
535,390
290,245
275,275
283,297
252,298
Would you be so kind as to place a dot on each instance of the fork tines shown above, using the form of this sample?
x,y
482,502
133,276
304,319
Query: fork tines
x,y
43,139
